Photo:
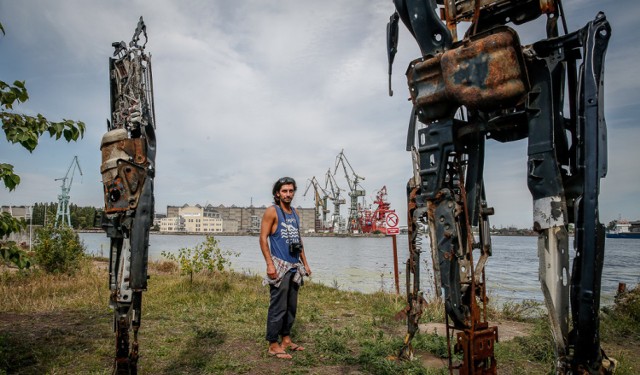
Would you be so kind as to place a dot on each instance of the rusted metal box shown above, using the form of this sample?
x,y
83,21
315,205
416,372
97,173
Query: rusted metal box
x,y
123,170
484,73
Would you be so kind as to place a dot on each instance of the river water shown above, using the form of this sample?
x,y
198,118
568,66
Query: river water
x,y
365,264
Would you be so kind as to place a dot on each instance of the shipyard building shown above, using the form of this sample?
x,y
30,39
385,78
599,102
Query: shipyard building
x,y
224,219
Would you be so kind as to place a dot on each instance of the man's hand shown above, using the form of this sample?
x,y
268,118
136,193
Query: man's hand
x,y
271,271
308,270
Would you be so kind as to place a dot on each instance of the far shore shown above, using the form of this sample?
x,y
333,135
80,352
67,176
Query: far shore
x,y
524,233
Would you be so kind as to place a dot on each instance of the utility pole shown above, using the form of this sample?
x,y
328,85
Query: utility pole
x,y
29,208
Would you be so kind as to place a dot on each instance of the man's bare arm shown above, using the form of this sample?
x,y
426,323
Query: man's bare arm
x,y
268,219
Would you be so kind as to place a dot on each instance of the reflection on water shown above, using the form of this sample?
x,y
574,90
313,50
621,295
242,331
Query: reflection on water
x,y
366,264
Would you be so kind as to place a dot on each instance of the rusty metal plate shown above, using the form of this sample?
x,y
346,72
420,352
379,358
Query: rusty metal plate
x,y
427,88
123,170
122,193
487,73
523,10
133,148
477,348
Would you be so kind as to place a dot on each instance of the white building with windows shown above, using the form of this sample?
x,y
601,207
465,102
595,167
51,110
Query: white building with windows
x,y
193,219
171,224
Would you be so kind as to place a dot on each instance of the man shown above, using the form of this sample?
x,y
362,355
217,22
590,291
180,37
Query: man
x,y
283,252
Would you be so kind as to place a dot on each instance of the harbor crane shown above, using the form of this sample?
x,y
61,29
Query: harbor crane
x,y
63,215
355,191
330,183
320,203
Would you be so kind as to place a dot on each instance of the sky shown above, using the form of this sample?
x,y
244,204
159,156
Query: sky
x,y
247,91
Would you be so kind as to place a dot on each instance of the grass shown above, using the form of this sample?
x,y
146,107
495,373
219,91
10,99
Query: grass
x,y
620,329
215,325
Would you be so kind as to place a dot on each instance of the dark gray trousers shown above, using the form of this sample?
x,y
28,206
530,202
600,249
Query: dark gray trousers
x,y
282,308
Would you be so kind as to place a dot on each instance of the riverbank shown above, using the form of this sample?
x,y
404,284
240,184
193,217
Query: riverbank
x,y
340,235
61,324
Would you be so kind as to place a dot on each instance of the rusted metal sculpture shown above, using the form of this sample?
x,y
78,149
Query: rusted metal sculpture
x,y
128,169
488,86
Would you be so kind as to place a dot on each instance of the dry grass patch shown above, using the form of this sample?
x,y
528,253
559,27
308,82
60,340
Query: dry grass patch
x,y
37,291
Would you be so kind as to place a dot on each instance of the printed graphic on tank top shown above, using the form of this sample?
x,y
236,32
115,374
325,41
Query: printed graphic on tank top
x,y
287,232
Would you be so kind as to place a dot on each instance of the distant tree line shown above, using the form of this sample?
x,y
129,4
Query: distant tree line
x,y
81,217
512,231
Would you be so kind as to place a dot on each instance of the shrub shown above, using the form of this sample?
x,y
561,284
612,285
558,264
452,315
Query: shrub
x,y
522,311
628,304
538,346
10,252
164,266
58,250
621,321
204,256
433,343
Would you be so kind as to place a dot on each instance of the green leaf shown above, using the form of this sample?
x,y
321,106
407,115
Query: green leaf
x,y
15,179
9,94
9,224
26,130
30,144
10,179
68,135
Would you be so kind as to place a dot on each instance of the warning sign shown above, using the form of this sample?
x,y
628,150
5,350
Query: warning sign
x,y
393,230
392,220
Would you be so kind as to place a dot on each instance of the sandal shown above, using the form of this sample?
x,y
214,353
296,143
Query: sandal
x,y
280,355
295,348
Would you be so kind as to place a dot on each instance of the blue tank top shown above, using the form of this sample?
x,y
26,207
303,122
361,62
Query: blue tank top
x,y
287,231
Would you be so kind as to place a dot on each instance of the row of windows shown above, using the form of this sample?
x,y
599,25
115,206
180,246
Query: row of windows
x,y
196,230
192,220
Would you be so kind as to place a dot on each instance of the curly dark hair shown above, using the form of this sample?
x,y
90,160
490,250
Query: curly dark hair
x,y
278,185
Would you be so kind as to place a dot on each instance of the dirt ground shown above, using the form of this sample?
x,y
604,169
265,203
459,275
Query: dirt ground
x,y
78,331
506,330
58,336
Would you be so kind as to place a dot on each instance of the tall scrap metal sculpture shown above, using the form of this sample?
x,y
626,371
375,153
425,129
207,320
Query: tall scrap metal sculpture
x,y
128,169
487,85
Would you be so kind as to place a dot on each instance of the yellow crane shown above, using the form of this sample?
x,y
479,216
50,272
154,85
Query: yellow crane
x,y
320,198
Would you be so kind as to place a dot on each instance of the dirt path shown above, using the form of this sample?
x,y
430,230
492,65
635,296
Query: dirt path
x,y
507,330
